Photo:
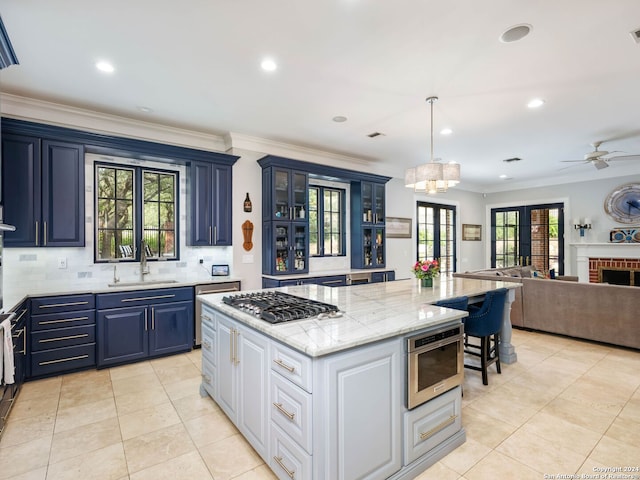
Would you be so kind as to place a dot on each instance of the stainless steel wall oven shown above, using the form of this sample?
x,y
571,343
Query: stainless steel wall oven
x,y
435,364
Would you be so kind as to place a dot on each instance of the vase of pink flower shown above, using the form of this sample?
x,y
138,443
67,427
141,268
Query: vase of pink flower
x,y
426,270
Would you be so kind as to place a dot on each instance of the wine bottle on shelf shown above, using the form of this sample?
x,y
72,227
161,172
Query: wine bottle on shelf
x,y
247,203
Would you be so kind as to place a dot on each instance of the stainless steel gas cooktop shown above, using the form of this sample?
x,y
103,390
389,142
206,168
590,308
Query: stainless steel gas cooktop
x,y
278,307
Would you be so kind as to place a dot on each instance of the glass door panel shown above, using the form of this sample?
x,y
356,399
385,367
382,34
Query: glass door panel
x,y
282,247
281,194
367,202
378,196
299,195
367,246
300,255
379,246
437,235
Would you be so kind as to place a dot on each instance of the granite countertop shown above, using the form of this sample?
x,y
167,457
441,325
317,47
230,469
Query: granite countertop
x,y
370,312
13,295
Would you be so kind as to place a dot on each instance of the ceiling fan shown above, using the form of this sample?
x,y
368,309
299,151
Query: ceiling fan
x,y
601,158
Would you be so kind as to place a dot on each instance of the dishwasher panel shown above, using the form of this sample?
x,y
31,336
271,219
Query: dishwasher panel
x,y
203,290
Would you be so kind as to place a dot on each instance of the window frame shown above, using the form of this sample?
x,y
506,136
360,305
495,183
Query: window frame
x,y
321,224
138,206
437,241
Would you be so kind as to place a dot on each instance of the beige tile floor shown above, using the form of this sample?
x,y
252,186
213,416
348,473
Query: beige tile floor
x,y
565,407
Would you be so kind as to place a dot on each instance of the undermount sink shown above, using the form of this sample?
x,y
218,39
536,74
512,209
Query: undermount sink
x,y
142,283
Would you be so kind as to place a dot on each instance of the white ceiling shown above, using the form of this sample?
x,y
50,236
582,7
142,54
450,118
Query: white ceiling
x,y
196,64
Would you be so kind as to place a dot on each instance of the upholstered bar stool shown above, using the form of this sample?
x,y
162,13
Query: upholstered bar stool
x,y
484,322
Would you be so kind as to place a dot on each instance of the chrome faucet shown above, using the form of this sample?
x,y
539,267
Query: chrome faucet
x,y
144,268
116,279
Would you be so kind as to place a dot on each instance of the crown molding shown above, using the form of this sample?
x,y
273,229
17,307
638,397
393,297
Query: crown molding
x,y
30,109
296,152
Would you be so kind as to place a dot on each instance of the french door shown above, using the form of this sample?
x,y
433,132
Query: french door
x,y
436,234
528,235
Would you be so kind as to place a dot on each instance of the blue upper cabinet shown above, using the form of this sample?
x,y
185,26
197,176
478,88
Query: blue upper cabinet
x,y
286,194
210,216
43,192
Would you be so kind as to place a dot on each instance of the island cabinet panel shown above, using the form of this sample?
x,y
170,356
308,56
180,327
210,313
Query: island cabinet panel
x,y
43,192
146,323
62,334
362,385
242,383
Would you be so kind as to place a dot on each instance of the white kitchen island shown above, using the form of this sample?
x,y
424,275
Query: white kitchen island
x,y
325,398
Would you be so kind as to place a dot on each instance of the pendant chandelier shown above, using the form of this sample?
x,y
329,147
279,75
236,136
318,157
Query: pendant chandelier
x,y
435,176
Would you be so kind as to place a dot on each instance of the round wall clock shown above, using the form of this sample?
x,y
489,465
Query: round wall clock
x,y
623,204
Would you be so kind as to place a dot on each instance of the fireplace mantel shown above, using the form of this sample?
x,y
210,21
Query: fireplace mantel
x,y
585,251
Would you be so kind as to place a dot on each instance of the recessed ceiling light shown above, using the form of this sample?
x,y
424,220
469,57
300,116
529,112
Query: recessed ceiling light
x,y
268,65
515,33
535,103
503,176
339,119
145,109
105,67
446,131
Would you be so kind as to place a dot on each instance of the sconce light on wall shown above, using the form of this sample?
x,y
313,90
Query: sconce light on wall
x,y
582,225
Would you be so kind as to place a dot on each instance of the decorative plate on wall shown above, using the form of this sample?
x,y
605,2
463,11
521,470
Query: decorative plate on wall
x,y
624,235
623,204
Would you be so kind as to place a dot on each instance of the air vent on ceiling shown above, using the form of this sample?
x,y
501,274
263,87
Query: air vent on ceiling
x,y
375,134
635,34
514,159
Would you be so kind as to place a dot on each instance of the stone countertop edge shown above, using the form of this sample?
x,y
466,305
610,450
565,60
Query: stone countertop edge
x,y
371,313
105,288
327,273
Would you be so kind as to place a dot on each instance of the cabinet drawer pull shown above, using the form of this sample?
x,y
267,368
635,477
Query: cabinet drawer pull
x,y
222,290
206,344
57,339
442,426
139,299
64,320
328,282
20,332
21,315
145,321
44,237
284,365
69,304
153,319
206,378
37,244
282,410
290,473
205,317
60,360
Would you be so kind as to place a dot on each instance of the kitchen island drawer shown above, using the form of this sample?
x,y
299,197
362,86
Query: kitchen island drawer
x,y
65,359
291,410
209,377
208,344
288,461
63,320
292,365
143,297
63,303
428,425
62,337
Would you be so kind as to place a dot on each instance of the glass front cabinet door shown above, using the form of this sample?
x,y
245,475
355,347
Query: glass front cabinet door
x,y
290,248
289,195
373,203
373,254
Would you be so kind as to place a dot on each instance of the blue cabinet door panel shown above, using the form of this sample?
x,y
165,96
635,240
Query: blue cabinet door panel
x,y
201,213
171,328
21,188
122,335
222,205
63,194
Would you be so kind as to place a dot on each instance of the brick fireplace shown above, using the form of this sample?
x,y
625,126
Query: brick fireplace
x,y
592,259
616,267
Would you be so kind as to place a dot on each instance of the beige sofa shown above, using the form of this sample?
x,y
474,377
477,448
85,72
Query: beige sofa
x,y
593,311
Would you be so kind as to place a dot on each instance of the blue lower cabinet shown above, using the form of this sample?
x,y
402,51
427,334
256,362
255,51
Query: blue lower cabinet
x,y
62,334
388,276
157,325
123,335
169,328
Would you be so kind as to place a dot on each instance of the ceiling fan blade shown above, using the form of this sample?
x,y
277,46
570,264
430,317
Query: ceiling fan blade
x,y
625,157
576,161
